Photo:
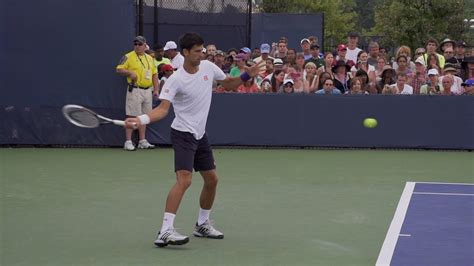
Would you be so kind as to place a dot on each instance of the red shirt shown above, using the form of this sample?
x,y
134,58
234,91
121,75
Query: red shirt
x,y
251,89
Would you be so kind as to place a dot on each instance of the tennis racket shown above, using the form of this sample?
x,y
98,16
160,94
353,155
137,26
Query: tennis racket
x,y
83,117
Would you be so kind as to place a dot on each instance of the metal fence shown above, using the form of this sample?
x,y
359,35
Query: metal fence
x,y
162,20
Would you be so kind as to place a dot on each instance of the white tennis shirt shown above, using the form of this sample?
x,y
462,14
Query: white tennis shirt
x,y
191,96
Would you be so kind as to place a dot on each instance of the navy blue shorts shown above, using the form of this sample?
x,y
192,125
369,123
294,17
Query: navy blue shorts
x,y
190,153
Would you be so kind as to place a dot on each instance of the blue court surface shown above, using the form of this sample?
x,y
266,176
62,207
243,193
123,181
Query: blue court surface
x,y
433,225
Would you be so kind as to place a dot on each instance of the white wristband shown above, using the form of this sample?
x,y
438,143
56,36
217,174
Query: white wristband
x,y
144,119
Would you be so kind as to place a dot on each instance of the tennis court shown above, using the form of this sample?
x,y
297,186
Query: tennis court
x,y
275,207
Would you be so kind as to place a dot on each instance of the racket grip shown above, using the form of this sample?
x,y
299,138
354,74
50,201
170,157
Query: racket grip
x,y
118,122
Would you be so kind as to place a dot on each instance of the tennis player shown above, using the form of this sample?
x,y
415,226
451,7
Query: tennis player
x,y
189,89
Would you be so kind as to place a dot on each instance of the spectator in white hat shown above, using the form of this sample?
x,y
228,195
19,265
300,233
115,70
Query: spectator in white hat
x,y
171,52
433,85
305,44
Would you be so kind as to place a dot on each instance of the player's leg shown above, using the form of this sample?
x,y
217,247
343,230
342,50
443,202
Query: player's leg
x,y
184,146
204,163
146,105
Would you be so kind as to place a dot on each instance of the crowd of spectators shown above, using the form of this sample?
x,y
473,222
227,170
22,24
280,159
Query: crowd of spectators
x,y
445,68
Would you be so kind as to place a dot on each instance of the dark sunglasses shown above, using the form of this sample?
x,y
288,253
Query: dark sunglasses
x,y
138,43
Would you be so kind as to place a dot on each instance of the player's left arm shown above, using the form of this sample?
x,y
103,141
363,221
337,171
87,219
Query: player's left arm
x,y
231,83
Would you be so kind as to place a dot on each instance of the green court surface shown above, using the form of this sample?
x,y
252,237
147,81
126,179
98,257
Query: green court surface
x,y
275,207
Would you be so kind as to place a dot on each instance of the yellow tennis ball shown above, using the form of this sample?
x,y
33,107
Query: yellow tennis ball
x,y
370,122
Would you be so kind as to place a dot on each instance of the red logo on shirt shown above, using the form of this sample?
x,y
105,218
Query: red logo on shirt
x,y
205,77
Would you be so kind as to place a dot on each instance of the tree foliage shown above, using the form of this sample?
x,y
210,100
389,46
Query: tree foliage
x,y
339,17
412,22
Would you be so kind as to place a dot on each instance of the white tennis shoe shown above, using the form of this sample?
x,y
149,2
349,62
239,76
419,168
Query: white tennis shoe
x,y
128,146
207,230
144,144
170,237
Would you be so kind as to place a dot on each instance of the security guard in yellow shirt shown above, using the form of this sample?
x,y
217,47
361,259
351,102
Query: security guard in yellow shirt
x,y
140,70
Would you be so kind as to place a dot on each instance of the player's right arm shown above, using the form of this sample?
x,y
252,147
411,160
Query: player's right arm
x,y
158,113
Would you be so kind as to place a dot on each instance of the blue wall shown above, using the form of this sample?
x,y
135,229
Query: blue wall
x,y
442,122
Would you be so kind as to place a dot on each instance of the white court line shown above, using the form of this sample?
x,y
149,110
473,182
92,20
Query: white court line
x,y
441,183
404,235
441,193
388,247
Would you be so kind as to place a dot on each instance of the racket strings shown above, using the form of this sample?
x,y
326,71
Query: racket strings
x,y
84,118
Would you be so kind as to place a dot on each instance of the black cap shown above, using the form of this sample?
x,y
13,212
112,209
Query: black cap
x,y
315,46
461,43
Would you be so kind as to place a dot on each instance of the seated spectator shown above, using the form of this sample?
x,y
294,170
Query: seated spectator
x,y
297,78
449,69
366,86
357,86
321,78
328,63
250,86
389,90
291,57
211,49
256,53
374,53
318,61
468,86
404,51
419,52
209,57
240,61
401,85
433,85
232,52
363,65
167,70
228,64
268,68
468,67
265,51
402,63
246,51
445,44
288,86
447,82
311,78
433,63
381,62
328,88
305,48
419,77
388,78
274,84
342,53
219,59
341,77
431,46
299,63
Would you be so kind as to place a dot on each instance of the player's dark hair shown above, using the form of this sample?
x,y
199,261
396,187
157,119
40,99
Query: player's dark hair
x,y
188,40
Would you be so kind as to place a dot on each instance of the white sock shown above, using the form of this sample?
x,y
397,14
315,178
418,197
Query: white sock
x,y
203,216
168,221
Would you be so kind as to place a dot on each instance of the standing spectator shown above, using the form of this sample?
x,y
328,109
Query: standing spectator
x,y
328,88
315,58
460,51
306,48
374,53
431,46
341,77
141,73
402,86
240,61
433,85
171,52
352,49
419,77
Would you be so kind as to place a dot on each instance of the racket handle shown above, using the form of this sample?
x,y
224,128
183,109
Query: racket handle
x,y
118,122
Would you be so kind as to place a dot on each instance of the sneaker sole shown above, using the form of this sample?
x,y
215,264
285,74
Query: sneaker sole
x,y
204,236
174,243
